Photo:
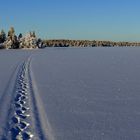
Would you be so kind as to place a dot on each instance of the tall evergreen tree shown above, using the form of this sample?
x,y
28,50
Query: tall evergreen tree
x,y
15,44
11,32
33,34
20,36
2,36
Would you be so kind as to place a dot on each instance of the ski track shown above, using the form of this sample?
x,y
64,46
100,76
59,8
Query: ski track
x,y
24,113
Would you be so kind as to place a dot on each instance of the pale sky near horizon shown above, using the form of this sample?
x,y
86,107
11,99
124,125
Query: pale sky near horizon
x,y
116,20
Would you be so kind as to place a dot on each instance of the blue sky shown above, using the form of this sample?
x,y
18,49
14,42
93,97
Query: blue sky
x,y
117,20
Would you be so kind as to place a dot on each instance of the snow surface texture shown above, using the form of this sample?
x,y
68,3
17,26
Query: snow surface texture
x,y
70,94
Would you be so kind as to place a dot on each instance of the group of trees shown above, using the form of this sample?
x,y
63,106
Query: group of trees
x,y
87,43
12,41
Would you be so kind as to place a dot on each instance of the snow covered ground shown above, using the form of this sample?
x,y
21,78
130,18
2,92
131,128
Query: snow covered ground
x,y
70,94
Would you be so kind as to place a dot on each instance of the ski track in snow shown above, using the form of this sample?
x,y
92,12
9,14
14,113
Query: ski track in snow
x,y
24,115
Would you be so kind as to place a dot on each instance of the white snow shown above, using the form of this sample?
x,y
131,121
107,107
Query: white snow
x,y
71,93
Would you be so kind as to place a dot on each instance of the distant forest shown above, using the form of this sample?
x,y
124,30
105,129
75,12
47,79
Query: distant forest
x,y
87,43
30,40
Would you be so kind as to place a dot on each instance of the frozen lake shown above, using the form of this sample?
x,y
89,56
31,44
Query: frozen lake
x,y
79,93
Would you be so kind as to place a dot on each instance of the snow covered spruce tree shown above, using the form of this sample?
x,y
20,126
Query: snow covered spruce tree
x,y
2,39
29,41
2,36
12,40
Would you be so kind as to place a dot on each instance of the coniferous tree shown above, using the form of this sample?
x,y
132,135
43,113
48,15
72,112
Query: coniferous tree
x,y
20,36
33,34
2,36
11,32
15,42
13,38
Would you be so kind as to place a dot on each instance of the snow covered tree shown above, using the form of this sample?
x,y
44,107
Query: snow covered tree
x,y
2,36
11,32
33,34
12,40
20,36
15,42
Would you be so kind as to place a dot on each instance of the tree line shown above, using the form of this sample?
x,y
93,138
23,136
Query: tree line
x,y
12,41
30,40
87,43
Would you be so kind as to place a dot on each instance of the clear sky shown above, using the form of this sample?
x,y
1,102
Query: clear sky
x,y
74,19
